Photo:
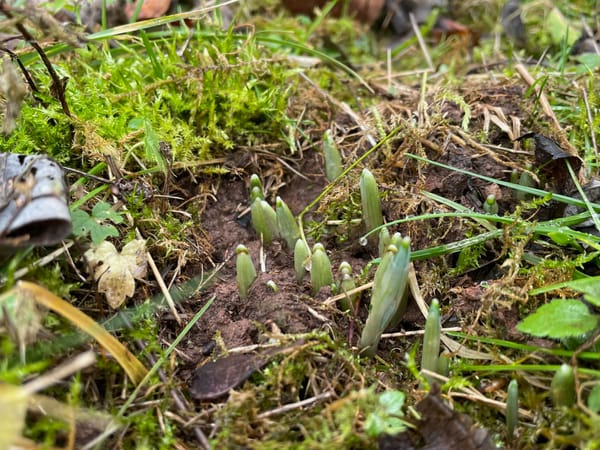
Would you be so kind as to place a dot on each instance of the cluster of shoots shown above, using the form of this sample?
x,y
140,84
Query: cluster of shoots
x,y
280,223
271,223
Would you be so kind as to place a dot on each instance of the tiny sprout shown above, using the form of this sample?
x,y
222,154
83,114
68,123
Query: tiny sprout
x,y
286,223
256,187
562,387
333,159
431,340
371,203
245,271
525,180
512,408
490,205
255,193
347,284
264,220
301,259
273,286
320,272
384,240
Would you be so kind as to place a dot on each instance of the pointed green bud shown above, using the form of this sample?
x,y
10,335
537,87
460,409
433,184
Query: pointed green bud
x,y
245,271
264,220
286,223
301,259
384,240
255,193
370,201
273,286
512,408
490,205
562,387
431,340
525,180
333,159
443,367
389,286
320,271
347,284
256,187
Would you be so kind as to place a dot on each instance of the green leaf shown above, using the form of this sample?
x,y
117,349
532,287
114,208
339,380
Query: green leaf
x,y
593,401
560,319
103,211
84,224
590,288
387,418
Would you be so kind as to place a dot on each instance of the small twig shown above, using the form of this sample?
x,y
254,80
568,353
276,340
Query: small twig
x,y
64,370
163,288
26,74
58,84
590,119
297,405
420,40
415,332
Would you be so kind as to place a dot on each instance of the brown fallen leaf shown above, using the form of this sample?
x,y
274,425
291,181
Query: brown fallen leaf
x,y
151,9
365,11
216,378
445,429
13,89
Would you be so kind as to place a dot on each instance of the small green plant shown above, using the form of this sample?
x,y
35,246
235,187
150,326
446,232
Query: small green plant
x,y
301,259
388,291
333,159
346,284
245,271
320,272
256,188
490,205
431,340
384,240
264,220
562,387
286,223
370,201
388,417
95,224
512,408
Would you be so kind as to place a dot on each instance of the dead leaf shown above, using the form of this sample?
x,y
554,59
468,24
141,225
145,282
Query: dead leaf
x,y
366,11
216,378
116,272
151,9
13,406
443,428
550,160
13,89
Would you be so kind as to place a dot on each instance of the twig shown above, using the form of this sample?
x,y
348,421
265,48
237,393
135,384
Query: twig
x,y
64,370
58,84
297,405
163,288
420,40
